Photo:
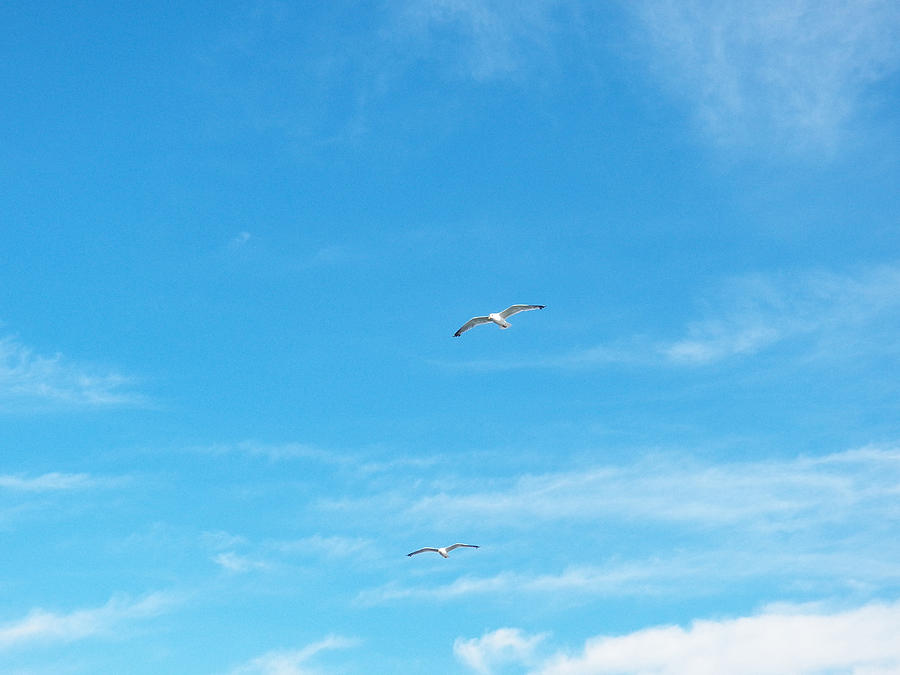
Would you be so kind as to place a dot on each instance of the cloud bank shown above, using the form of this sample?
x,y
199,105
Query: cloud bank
x,y
786,639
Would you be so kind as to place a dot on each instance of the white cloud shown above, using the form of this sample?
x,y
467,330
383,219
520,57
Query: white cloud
x,y
237,563
54,481
832,311
670,574
783,493
237,555
782,72
784,639
826,522
504,645
29,381
715,341
627,579
369,462
41,626
291,661
769,73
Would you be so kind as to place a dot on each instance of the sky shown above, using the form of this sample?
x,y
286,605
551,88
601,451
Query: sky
x,y
239,237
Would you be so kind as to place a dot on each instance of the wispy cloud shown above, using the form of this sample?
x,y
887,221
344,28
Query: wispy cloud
x,y
785,72
292,661
827,314
370,462
51,482
41,626
784,494
629,579
821,522
833,311
782,639
715,340
237,555
670,574
237,563
791,72
29,381
21,494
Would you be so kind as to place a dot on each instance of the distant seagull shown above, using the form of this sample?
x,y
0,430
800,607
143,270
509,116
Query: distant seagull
x,y
499,318
443,551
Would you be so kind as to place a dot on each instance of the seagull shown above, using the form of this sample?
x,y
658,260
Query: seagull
x,y
443,551
499,318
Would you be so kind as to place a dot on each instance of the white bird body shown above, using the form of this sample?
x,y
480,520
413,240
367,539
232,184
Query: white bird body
x,y
499,318
444,550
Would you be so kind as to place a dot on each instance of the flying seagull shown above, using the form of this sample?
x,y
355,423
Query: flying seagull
x,y
499,318
443,551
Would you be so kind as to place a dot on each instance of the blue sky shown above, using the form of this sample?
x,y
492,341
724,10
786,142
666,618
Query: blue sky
x,y
240,235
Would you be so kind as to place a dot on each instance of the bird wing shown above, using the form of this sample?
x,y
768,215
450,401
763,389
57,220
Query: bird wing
x,y
515,309
471,323
422,550
450,548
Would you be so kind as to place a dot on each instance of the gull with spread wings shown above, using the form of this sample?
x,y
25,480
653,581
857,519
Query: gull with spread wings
x,y
443,551
499,318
